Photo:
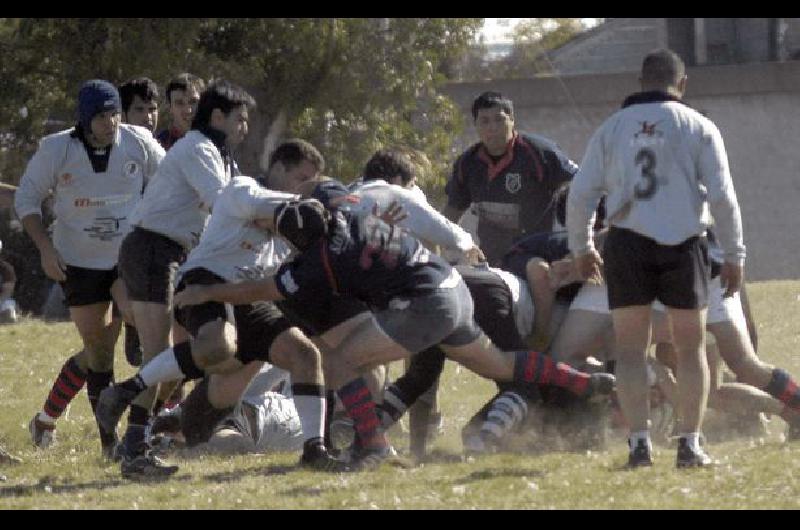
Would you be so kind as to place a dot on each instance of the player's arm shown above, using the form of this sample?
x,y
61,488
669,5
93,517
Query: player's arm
x,y
715,174
458,195
584,195
242,293
35,186
206,174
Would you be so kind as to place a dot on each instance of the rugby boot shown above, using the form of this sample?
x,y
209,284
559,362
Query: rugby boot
x,y
688,457
318,458
601,384
144,465
43,434
640,456
111,404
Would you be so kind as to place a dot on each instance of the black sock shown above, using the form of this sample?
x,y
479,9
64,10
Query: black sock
x,y
95,383
183,355
330,407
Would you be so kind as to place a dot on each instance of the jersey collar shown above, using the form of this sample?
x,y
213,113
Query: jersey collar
x,y
653,96
495,168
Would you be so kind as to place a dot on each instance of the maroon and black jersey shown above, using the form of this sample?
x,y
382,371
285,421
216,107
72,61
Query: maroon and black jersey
x,y
168,137
512,196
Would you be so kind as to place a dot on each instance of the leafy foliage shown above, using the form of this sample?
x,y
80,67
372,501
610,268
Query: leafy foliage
x,y
348,85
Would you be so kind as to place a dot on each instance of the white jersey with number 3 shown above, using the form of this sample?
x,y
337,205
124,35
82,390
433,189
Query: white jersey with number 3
x,y
662,165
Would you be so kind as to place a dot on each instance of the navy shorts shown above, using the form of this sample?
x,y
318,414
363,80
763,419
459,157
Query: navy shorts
x,y
639,270
148,262
87,286
257,325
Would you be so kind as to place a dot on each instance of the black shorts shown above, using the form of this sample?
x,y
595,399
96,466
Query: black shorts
x,y
317,318
257,325
494,307
148,263
87,286
638,271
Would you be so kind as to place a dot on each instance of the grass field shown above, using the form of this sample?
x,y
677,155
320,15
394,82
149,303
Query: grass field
x,y
755,473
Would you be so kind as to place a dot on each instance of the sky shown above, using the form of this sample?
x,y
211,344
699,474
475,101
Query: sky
x,y
494,29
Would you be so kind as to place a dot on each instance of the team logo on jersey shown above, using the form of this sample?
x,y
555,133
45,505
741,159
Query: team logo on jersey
x,y
649,130
288,282
66,179
131,169
513,182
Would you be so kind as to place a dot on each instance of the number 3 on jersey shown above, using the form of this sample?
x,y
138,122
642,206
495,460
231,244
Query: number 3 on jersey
x,y
646,187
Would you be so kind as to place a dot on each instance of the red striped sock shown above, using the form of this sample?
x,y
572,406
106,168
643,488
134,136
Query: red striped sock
x,y
537,368
69,382
360,406
783,388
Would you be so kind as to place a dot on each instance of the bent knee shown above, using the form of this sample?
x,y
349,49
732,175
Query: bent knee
x,y
215,343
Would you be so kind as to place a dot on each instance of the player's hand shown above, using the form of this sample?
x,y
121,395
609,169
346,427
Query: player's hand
x,y
588,267
563,272
392,215
192,295
475,256
731,278
52,264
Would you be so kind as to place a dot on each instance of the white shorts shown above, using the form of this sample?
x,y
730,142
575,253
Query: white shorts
x,y
591,297
720,309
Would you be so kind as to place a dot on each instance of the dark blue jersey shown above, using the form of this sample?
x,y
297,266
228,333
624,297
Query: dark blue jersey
x,y
364,258
549,246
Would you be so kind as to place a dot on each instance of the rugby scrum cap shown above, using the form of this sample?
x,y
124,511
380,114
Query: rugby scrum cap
x,y
96,96
302,222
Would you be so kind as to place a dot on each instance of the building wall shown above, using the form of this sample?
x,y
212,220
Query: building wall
x,y
756,106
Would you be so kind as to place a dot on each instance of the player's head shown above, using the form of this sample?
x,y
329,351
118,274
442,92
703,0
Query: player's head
x,y
224,106
98,111
140,102
302,223
183,94
392,166
663,70
494,120
292,163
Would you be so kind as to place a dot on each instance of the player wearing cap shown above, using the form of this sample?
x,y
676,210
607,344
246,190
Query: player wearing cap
x,y
96,172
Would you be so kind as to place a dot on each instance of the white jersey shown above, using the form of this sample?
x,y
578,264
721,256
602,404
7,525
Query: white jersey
x,y
521,297
662,165
422,220
92,210
178,201
231,245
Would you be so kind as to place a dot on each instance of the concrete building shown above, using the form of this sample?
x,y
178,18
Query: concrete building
x,y
742,78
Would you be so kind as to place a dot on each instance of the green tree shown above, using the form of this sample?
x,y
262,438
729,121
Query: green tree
x,y
349,85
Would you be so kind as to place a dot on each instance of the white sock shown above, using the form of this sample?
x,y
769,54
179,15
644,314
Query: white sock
x,y
311,410
633,439
692,440
161,368
45,417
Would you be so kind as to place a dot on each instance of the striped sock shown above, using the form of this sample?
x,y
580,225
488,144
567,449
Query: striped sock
x,y
360,406
69,382
537,368
783,388
506,412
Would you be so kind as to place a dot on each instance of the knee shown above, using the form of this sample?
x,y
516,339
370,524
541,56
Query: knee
x,y
300,357
215,343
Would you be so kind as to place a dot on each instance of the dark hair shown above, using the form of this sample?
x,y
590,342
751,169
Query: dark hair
x,y
144,87
489,100
183,82
560,199
302,223
222,95
386,164
662,67
294,151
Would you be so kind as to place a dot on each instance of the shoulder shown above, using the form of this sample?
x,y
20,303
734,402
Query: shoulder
x,y
57,140
471,153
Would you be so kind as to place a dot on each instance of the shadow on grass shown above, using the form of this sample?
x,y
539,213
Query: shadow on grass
x,y
44,486
238,474
487,474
